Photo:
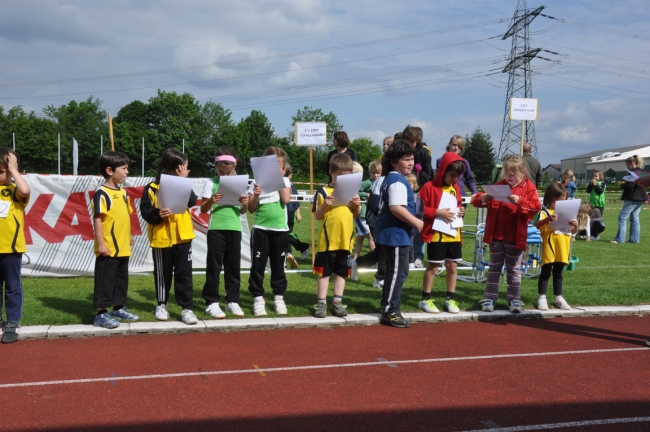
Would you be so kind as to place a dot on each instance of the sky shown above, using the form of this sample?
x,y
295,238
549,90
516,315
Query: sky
x,y
377,65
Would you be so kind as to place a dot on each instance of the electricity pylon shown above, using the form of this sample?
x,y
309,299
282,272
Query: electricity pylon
x,y
519,80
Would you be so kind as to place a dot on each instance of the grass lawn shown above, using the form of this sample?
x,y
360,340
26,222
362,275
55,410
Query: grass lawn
x,y
607,274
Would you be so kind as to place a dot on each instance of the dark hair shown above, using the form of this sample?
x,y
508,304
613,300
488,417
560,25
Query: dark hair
x,y
456,166
112,159
397,150
342,139
4,155
170,160
226,151
553,192
412,133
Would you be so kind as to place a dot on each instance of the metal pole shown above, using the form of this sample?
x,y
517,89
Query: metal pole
x,y
101,145
59,154
142,156
183,145
14,139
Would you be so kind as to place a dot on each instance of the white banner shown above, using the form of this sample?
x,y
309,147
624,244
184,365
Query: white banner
x,y
59,229
310,134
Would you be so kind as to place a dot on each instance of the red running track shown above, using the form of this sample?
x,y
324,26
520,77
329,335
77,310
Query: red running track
x,y
515,375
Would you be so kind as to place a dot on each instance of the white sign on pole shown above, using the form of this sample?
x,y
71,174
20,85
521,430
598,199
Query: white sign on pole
x,y
523,109
310,134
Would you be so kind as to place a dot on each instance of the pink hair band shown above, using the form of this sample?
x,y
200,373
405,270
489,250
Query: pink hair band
x,y
225,158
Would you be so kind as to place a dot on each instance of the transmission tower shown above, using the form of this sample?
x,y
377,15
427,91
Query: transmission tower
x,y
519,81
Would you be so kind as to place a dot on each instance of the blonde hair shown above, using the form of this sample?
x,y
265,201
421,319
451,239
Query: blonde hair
x,y
637,159
388,140
374,166
599,174
583,215
278,152
341,162
356,168
513,163
413,180
568,174
459,140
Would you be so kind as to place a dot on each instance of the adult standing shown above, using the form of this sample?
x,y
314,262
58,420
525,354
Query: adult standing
x,y
457,145
341,142
634,196
422,169
533,167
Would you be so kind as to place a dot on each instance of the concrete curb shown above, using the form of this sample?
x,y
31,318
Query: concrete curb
x,y
225,325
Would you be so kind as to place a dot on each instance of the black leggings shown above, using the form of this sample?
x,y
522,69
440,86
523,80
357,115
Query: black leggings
x,y
542,283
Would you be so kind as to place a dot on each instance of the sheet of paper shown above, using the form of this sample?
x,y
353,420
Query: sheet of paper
x,y
232,188
498,192
439,224
174,193
347,187
267,173
566,211
630,177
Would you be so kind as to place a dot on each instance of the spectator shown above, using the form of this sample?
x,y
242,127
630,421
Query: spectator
x,y
533,167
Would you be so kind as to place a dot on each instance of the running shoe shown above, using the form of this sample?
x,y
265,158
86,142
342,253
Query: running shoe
x,y
487,305
188,317
292,262
162,314
280,307
379,284
418,263
215,311
560,303
428,306
394,319
320,310
259,308
10,334
339,310
411,266
452,306
516,306
124,314
234,309
305,254
542,303
104,320
355,270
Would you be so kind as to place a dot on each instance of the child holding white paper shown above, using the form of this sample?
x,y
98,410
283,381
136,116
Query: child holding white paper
x,y
170,236
335,238
506,231
556,248
269,239
442,247
224,239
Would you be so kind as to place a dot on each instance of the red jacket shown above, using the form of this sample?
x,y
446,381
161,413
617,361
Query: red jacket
x,y
527,207
431,193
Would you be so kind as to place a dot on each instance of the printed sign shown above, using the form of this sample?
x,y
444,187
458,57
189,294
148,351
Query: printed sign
x,y
523,109
310,134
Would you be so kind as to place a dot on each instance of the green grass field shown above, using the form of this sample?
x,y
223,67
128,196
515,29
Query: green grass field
x,y
607,274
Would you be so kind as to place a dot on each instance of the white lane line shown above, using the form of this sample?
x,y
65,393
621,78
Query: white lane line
x,y
567,425
313,367
386,362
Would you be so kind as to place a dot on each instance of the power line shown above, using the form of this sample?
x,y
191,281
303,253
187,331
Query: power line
x,y
591,52
616,32
591,90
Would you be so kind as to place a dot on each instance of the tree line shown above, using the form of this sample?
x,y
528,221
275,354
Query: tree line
x,y
170,119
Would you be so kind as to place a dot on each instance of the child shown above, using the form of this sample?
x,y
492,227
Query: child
x,y
396,217
506,231
293,215
224,239
269,239
590,224
15,196
361,224
170,236
335,238
556,248
412,180
568,181
596,191
111,208
442,247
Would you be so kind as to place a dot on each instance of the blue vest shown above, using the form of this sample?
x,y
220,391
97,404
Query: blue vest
x,y
390,230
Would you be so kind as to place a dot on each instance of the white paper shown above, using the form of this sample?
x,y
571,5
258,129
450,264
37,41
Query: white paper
x,y
630,177
347,187
441,225
498,192
566,211
267,173
232,188
174,193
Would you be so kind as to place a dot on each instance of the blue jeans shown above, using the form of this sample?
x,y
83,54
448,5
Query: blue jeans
x,y
630,210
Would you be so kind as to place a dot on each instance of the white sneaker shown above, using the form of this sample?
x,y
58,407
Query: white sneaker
x,y
379,284
418,263
487,305
560,303
411,265
516,306
162,314
542,303
188,317
215,311
292,262
280,307
355,271
234,309
305,254
452,306
259,308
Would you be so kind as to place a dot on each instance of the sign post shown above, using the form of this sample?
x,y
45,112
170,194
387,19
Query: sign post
x,y
311,134
523,109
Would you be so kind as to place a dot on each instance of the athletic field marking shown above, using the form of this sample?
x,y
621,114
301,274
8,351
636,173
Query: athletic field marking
x,y
261,371
386,362
566,425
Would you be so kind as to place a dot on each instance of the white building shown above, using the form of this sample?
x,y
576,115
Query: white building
x,y
583,166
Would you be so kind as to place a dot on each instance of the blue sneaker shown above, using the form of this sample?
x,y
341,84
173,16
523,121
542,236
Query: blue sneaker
x,y
124,314
106,321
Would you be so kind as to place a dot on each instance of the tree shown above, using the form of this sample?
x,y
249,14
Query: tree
x,y
479,152
547,179
366,150
260,135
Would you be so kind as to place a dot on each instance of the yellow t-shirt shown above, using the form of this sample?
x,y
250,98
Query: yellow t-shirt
x,y
115,208
556,246
12,220
439,237
337,227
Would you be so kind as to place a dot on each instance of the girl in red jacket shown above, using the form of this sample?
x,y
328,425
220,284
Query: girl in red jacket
x,y
506,231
